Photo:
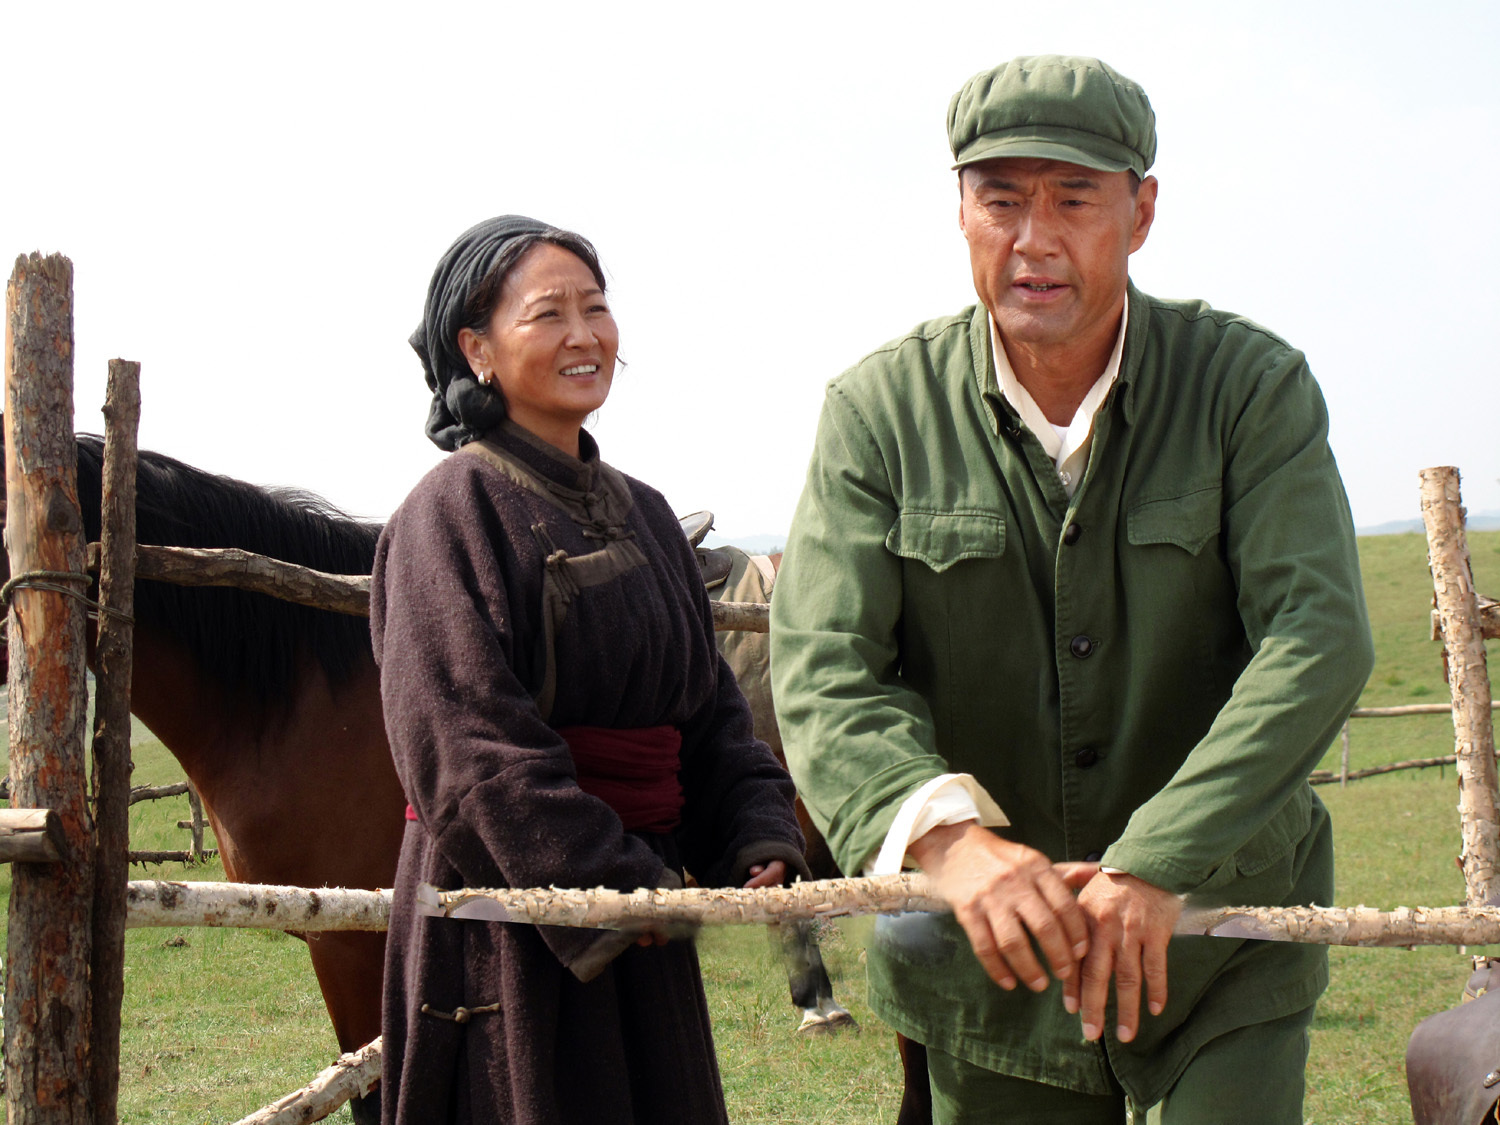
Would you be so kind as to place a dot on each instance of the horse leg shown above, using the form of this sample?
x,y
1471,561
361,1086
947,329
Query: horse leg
x,y
345,963
916,1097
811,989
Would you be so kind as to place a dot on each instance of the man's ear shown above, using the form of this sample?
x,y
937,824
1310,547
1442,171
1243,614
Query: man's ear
x,y
1145,213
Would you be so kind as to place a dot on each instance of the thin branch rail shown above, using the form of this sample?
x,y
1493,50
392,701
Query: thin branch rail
x,y
160,903
352,1076
338,593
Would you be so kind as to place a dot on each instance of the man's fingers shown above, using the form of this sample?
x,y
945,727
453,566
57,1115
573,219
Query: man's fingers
x,y
982,939
1155,962
1094,994
1052,916
1014,940
1059,895
1128,979
1070,990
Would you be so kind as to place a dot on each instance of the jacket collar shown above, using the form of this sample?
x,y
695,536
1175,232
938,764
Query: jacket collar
x,y
980,346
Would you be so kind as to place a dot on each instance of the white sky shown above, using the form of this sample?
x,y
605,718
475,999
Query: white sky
x,y
254,196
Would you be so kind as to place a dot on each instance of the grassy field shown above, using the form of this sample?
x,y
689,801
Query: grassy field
x,y
217,1023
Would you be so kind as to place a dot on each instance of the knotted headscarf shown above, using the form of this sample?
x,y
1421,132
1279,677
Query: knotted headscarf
x,y
462,410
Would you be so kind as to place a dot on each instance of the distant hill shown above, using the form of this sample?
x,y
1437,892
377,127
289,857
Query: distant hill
x,y
751,544
1477,521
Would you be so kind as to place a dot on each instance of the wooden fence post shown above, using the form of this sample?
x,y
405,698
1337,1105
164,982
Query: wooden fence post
x,y
111,780
47,967
1468,680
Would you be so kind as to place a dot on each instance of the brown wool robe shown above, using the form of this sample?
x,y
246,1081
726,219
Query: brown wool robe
x,y
456,614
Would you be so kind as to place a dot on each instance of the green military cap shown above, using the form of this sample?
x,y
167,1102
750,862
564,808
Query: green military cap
x,y
1056,107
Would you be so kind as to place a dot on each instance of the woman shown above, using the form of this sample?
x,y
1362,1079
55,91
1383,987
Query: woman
x,y
558,716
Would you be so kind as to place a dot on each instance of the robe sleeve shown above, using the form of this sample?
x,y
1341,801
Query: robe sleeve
x,y
490,781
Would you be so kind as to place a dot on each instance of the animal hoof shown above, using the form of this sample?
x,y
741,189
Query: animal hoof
x,y
840,1020
814,1023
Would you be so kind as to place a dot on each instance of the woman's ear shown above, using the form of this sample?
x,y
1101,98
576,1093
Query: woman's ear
x,y
476,351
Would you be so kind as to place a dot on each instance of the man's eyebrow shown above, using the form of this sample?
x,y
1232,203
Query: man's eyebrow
x,y
995,183
1079,183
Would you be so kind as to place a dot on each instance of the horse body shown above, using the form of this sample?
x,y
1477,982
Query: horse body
x,y
310,799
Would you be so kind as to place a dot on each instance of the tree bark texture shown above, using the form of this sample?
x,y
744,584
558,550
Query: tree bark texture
x,y
111,776
155,902
1468,680
1489,620
352,1076
47,966
338,593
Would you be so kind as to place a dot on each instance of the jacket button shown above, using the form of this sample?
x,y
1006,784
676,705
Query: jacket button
x,y
1085,757
1071,534
1093,857
1080,646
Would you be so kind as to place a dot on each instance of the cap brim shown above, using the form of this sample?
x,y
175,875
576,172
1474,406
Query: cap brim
x,y
1000,148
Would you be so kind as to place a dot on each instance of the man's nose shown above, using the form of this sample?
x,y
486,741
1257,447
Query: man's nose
x,y
1036,233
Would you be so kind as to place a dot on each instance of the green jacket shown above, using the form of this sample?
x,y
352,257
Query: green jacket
x,y
1143,674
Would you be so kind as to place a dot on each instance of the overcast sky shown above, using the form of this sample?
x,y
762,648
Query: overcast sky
x,y
254,197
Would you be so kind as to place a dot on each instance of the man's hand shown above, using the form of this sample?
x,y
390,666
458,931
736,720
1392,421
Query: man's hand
x,y
1004,894
1130,923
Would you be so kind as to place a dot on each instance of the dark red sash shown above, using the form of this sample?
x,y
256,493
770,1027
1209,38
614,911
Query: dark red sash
x,y
634,772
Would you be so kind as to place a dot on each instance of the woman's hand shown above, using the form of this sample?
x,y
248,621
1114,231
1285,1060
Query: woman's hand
x,y
771,874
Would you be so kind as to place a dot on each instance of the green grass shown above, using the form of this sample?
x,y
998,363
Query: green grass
x,y
219,1022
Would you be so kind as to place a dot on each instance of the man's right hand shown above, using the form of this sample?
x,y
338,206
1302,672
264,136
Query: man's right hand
x,y
1004,894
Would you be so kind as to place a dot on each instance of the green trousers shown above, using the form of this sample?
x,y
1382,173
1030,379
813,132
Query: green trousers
x,y
1251,1073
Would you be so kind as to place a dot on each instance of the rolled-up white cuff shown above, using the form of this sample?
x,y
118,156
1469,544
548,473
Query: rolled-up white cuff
x,y
951,798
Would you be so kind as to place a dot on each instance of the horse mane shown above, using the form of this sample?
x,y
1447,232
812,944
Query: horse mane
x,y
250,645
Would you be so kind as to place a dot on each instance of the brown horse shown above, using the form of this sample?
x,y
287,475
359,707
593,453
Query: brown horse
x,y
274,712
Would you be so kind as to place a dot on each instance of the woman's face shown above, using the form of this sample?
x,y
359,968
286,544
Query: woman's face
x,y
550,346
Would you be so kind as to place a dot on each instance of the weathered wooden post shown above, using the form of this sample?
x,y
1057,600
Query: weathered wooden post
x,y
47,964
1468,680
111,778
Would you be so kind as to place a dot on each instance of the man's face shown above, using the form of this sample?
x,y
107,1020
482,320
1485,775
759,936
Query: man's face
x,y
1048,244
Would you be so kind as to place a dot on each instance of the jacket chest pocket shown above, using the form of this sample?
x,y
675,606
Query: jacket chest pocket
x,y
1190,520
941,539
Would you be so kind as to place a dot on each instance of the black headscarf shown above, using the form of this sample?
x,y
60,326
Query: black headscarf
x,y
462,410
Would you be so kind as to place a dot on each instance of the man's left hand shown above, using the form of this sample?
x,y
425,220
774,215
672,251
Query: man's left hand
x,y
1130,924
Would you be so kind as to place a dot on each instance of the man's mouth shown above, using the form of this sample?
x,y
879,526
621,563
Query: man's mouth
x,y
581,369
1039,286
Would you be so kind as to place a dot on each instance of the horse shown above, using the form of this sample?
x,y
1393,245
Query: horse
x,y
271,706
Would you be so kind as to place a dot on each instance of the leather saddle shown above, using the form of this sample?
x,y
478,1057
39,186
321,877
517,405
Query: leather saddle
x,y
713,562
1453,1058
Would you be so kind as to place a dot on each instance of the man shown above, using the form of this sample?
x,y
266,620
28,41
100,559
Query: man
x,y
1076,565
